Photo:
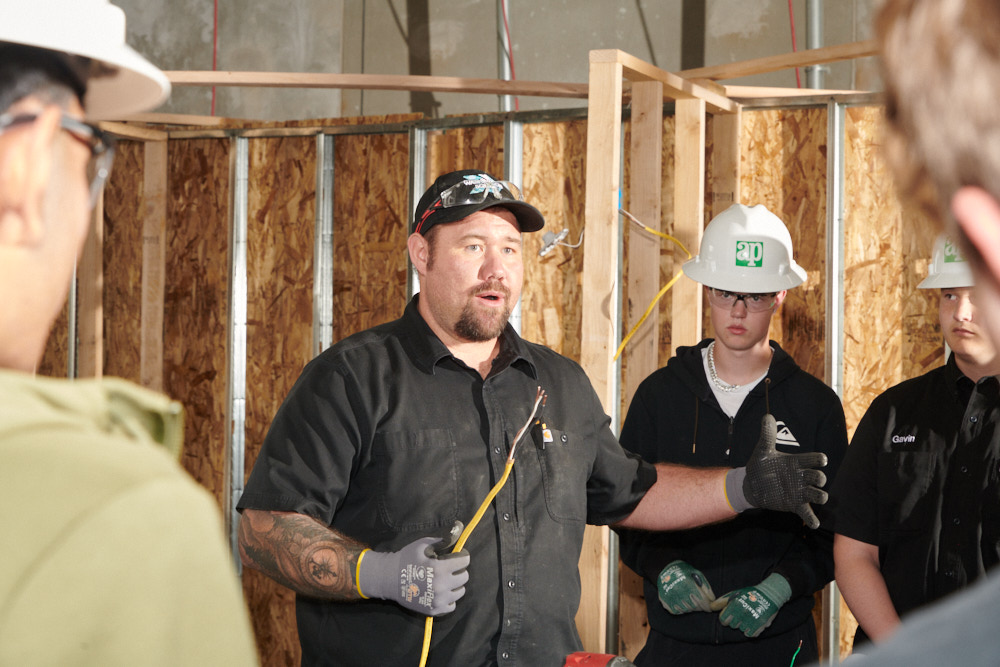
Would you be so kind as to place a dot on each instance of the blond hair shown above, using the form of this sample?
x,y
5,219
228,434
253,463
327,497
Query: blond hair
x,y
941,67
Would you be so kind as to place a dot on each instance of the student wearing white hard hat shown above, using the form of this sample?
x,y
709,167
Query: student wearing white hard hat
x,y
918,513
739,592
110,554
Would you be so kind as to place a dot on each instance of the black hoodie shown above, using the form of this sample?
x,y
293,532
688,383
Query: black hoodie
x,y
674,417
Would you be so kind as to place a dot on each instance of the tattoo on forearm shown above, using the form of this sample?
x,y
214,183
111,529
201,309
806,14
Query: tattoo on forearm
x,y
300,553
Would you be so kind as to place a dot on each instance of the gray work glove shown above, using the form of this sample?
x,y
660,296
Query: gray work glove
x,y
774,480
682,589
420,576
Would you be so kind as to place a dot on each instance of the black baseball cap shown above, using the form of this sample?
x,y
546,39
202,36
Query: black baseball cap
x,y
458,194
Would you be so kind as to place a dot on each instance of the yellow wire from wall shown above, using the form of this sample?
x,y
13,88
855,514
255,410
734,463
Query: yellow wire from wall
x,y
429,623
662,291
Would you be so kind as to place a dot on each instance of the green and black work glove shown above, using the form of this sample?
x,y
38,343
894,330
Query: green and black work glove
x,y
682,589
420,576
753,608
774,480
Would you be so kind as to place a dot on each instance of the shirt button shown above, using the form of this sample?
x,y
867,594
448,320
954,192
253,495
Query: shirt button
x,y
506,516
505,655
965,468
563,437
956,521
727,452
974,419
496,450
510,584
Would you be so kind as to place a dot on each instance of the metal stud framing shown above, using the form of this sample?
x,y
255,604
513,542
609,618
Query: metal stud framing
x,y
237,384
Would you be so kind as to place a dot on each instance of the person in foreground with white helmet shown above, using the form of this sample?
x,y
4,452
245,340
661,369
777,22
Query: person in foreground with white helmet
x,y
739,592
918,513
110,554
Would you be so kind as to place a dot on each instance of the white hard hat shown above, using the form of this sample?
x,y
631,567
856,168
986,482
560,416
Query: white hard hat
x,y
94,29
948,268
746,249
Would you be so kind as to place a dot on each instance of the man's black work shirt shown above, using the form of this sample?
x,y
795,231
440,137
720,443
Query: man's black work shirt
x,y
921,480
387,437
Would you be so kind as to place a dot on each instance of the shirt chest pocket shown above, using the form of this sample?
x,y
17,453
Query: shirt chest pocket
x,y
564,475
417,477
906,483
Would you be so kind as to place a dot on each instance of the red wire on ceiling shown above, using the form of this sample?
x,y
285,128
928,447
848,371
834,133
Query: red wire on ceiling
x,y
791,20
509,49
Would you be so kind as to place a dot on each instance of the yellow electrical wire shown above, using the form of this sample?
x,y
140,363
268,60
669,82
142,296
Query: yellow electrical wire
x,y
460,544
659,294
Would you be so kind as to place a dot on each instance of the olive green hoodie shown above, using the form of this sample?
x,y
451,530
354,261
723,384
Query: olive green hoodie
x,y
110,554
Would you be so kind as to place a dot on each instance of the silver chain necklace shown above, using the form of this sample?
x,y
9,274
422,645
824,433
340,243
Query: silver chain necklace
x,y
714,376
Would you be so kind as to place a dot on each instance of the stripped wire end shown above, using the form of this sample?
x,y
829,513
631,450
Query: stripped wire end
x,y
540,397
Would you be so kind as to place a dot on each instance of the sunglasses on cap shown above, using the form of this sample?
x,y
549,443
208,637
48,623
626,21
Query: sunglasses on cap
x,y
470,191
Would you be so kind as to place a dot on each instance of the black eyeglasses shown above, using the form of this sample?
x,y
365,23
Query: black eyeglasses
x,y
755,303
100,144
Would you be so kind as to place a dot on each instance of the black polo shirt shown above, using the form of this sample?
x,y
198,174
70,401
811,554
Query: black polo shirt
x,y
921,480
387,437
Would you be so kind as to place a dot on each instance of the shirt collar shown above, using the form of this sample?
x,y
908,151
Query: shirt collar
x,y
427,350
963,385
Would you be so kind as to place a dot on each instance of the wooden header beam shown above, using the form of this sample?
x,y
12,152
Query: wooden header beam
x,y
686,84
674,87
438,84
124,131
826,54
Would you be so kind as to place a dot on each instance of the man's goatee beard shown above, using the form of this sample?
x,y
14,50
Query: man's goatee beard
x,y
477,329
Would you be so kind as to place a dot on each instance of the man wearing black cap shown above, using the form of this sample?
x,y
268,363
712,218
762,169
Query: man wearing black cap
x,y
395,434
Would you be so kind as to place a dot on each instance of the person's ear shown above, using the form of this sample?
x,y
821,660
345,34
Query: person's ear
x,y
779,298
419,252
26,164
978,215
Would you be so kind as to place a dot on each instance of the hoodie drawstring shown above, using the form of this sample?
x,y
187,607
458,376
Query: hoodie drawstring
x,y
694,437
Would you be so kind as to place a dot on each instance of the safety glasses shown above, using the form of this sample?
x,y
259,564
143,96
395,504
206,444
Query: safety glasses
x,y
755,303
100,144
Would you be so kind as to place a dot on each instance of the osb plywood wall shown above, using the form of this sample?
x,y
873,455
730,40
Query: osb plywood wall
x,y
195,308
280,232
888,335
554,170
123,263
891,328
783,167
370,230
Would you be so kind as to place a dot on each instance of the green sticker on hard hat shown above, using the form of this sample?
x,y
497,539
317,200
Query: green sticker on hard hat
x,y
952,253
749,253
